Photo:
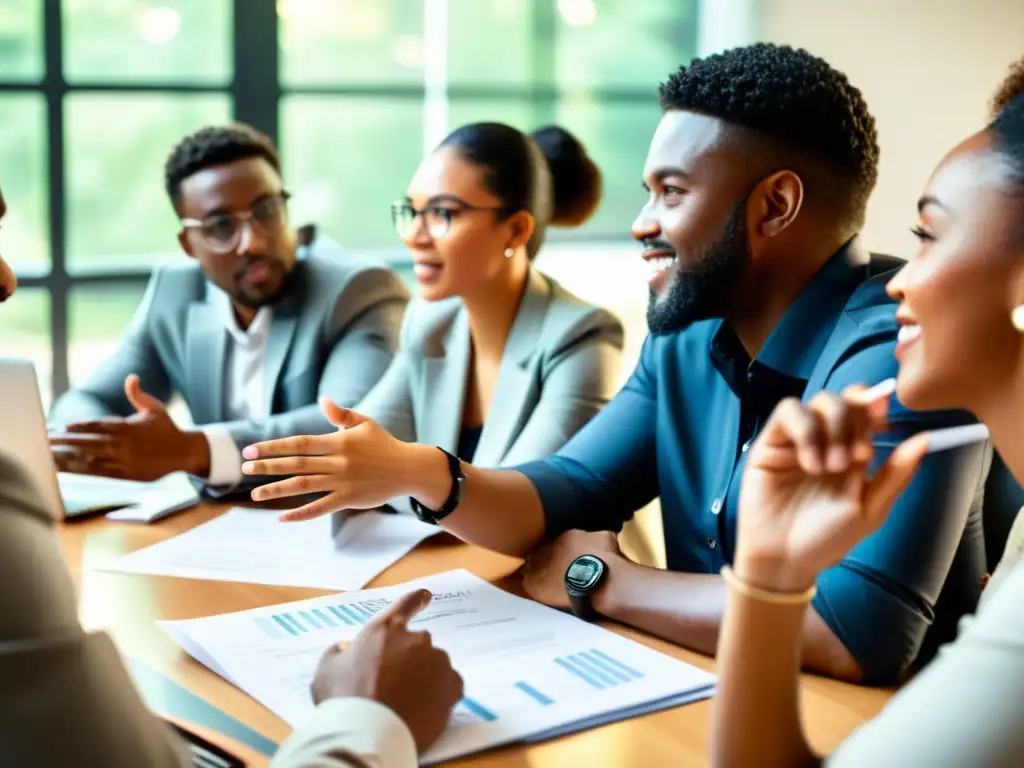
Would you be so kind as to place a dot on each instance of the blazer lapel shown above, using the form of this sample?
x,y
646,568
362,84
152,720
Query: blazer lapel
x,y
506,414
205,348
279,341
446,375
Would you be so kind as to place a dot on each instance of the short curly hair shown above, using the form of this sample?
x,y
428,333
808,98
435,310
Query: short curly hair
x,y
215,145
795,100
1010,88
1008,124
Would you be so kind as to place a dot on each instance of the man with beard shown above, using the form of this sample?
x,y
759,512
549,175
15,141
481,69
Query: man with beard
x,y
266,322
759,174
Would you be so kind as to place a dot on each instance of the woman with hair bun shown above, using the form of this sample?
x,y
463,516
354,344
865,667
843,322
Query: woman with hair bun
x,y
498,364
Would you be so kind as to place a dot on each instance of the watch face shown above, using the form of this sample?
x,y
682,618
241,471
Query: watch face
x,y
584,572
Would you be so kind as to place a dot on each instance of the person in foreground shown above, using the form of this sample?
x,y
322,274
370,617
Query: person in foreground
x,y
497,364
809,494
759,173
264,322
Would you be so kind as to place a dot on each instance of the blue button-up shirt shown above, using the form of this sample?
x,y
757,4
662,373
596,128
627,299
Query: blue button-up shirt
x,y
681,426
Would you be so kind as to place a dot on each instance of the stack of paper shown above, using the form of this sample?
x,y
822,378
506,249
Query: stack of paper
x,y
253,546
530,672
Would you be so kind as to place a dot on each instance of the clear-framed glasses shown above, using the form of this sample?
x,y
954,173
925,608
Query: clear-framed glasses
x,y
222,232
436,218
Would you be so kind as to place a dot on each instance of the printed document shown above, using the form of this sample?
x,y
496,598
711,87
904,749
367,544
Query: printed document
x,y
530,672
253,546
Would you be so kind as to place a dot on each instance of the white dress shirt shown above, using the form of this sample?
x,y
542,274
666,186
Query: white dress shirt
x,y
244,396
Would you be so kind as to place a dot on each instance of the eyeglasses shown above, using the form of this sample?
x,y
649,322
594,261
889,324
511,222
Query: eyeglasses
x,y
437,219
222,232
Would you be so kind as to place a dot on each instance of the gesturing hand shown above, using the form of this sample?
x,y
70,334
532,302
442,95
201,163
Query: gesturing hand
x,y
398,668
144,446
805,498
361,466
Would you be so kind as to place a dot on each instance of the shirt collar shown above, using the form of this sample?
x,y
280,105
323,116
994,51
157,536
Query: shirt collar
x,y
258,328
796,343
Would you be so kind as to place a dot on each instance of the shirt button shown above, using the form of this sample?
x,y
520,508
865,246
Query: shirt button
x,y
746,447
711,543
716,506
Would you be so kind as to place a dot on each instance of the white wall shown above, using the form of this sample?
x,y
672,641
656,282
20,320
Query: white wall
x,y
927,69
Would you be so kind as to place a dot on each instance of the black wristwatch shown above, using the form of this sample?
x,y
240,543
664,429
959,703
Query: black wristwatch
x,y
585,574
454,496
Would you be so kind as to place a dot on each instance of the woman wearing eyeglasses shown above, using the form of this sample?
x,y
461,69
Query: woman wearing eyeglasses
x,y
498,364
807,500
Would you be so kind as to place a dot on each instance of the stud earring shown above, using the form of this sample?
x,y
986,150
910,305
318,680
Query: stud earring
x,y
510,252
1017,318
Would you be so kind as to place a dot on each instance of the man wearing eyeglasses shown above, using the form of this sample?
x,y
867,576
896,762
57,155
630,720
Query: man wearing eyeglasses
x,y
267,321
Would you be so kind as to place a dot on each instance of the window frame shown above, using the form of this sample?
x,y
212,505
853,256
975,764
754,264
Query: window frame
x,y
255,90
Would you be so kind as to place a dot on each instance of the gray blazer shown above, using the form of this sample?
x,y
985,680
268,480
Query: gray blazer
x,y
65,697
560,366
333,334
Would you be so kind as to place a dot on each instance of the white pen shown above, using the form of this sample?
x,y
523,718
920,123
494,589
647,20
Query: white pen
x,y
939,439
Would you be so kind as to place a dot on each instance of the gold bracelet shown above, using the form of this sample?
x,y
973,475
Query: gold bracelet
x,y
765,595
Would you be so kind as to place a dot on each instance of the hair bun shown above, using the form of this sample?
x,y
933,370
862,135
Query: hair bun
x,y
575,179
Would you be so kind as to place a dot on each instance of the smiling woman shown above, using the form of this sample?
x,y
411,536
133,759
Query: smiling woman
x,y
498,363
807,499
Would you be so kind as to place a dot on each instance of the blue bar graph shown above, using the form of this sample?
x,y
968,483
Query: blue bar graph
x,y
572,668
534,694
281,626
337,612
324,617
611,663
355,617
270,628
597,669
479,710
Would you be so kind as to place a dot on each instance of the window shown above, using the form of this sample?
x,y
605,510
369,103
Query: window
x,y
23,165
353,91
118,214
346,159
132,41
21,40
25,321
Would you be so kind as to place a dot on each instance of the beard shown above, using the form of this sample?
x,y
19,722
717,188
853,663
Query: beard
x,y
700,292
268,293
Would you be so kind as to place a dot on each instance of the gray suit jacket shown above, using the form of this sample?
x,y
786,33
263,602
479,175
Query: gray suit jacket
x,y
333,334
560,366
65,697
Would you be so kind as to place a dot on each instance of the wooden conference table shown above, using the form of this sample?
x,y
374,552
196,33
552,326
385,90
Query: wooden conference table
x,y
127,605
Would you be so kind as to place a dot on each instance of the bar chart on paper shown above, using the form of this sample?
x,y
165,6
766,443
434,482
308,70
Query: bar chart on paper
x,y
281,626
530,672
564,678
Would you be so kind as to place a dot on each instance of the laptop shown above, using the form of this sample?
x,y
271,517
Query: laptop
x,y
23,435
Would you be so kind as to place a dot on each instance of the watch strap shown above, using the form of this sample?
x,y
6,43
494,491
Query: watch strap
x,y
428,515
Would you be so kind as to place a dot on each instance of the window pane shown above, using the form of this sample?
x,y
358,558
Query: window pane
x,y
139,41
347,159
24,239
98,316
118,212
517,113
623,43
617,136
351,41
21,40
25,332
491,42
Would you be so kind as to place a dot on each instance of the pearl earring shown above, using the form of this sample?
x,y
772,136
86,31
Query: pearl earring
x,y
1017,318
510,252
